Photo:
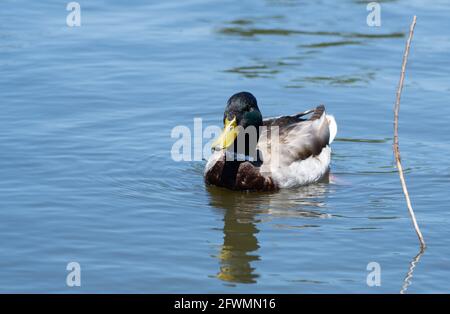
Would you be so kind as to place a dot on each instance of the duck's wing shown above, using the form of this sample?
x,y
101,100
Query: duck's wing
x,y
287,120
299,138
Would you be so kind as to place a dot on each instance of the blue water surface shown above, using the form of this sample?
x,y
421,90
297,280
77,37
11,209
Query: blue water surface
x,y
86,173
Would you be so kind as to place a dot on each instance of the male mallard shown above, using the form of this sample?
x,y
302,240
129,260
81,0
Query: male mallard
x,y
300,154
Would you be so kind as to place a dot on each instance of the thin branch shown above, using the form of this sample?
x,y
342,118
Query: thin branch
x,y
396,148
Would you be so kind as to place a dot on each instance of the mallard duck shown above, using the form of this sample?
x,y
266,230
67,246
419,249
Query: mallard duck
x,y
280,152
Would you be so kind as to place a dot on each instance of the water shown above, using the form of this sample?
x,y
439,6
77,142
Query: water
x,y
86,170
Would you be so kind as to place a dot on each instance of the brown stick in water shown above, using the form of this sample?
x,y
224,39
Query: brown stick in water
x,y
396,148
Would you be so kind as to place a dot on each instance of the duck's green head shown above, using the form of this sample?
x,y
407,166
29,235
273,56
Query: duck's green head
x,y
240,113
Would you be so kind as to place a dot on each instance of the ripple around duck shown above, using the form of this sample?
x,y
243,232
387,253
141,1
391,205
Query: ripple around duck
x,y
303,202
145,178
293,227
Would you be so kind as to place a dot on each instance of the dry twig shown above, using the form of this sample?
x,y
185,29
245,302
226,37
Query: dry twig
x,y
396,148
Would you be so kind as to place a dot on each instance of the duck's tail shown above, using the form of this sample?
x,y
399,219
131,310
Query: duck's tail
x,y
318,112
333,127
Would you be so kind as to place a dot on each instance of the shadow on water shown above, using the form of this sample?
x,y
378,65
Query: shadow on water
x,y
242,212
255,31
327,44
362,78
253,71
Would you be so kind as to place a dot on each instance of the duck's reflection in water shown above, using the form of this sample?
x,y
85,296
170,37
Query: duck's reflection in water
x,y
243,211
239,247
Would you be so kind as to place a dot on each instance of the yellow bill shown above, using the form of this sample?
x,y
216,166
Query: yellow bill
x,y
229,134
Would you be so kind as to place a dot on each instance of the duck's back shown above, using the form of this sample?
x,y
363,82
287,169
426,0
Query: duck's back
x,y
302,155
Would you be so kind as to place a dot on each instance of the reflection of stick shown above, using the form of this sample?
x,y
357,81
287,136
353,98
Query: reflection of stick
x,y
396,149
408,279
